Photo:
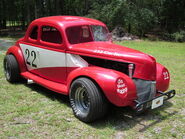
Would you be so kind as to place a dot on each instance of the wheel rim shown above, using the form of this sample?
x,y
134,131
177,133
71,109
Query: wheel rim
x,y
82,99
7,70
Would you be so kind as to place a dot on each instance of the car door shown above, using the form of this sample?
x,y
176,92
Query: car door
x,y
52,57
44,53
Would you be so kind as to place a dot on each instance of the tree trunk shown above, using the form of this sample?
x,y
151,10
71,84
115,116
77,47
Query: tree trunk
x,y
129,28
4,14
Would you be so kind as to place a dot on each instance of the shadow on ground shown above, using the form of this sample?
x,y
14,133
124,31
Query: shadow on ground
x,y
117,118
49,94
125,118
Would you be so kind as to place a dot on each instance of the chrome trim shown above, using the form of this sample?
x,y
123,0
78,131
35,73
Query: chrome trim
x,y
130,70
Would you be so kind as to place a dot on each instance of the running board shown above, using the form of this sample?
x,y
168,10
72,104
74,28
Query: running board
x,y
56,87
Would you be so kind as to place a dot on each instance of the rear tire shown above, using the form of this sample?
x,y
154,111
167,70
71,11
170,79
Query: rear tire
x,y
11,69
87,101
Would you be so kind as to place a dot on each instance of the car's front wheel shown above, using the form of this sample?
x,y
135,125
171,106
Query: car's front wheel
x,y
11,69
87,100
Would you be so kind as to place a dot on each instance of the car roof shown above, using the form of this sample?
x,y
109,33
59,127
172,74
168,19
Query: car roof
x,y
66,21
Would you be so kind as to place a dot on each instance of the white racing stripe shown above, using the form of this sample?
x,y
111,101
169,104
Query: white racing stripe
x,y
36,57
75,61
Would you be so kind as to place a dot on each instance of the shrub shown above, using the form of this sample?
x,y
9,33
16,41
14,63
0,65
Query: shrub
x,y
178,36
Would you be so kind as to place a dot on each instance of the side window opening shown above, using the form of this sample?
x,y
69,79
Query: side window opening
x,y
51,34
34,33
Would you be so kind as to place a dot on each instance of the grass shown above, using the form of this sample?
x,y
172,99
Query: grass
x,y
31,111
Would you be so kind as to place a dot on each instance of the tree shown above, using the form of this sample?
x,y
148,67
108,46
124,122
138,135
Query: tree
x,y
136,16
173,15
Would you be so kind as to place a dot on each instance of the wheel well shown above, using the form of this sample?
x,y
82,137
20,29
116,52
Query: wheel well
x,y
19,59
82,76
16,60
14,56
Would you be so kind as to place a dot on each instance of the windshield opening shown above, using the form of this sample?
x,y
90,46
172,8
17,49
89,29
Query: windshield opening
x,y
100,33
81,34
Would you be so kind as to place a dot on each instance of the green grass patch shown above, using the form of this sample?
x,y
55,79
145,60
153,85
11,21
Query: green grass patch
x,y
31,111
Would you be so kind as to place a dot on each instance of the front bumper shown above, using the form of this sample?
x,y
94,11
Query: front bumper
x,y
141,106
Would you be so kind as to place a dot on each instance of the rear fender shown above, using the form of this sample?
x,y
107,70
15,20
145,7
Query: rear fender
x,y
107,81
16,51
163,78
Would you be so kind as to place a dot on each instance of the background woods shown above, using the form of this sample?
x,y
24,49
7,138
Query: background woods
x,y
135,16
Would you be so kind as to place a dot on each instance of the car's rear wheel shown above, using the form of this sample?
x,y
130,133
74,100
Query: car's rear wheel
x,y
11,69
87,100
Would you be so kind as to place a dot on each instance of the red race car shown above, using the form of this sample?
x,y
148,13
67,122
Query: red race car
x,y
75,56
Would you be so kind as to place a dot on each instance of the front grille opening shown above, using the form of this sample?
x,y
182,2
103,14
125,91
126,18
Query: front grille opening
x,y
109,64
145,89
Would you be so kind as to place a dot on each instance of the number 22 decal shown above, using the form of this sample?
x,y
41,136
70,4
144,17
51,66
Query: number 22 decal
x,y
28,55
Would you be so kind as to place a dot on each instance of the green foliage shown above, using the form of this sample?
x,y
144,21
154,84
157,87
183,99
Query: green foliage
x,y
109,13
179,36
136,16
137,19
173,15
145,20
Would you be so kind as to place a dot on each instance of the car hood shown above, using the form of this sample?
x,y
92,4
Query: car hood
x,y
108,50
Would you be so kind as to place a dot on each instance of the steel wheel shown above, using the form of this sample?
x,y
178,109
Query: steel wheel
x,y
7,70
87,100
82,99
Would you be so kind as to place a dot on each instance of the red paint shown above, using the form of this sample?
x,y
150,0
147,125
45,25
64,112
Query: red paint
x,y
107,79
162,80
56,74
59,79
54,86
145,64
16,51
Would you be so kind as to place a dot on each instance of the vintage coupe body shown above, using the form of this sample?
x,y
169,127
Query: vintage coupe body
x,y
75,56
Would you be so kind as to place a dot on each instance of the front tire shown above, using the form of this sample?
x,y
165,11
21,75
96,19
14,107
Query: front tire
x,y
11,69
87,100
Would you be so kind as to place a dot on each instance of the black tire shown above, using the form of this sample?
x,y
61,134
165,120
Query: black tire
x,y
11,69
87,100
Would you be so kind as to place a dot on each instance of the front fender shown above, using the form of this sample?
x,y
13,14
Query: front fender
x,y
106,79
16,51
163,78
